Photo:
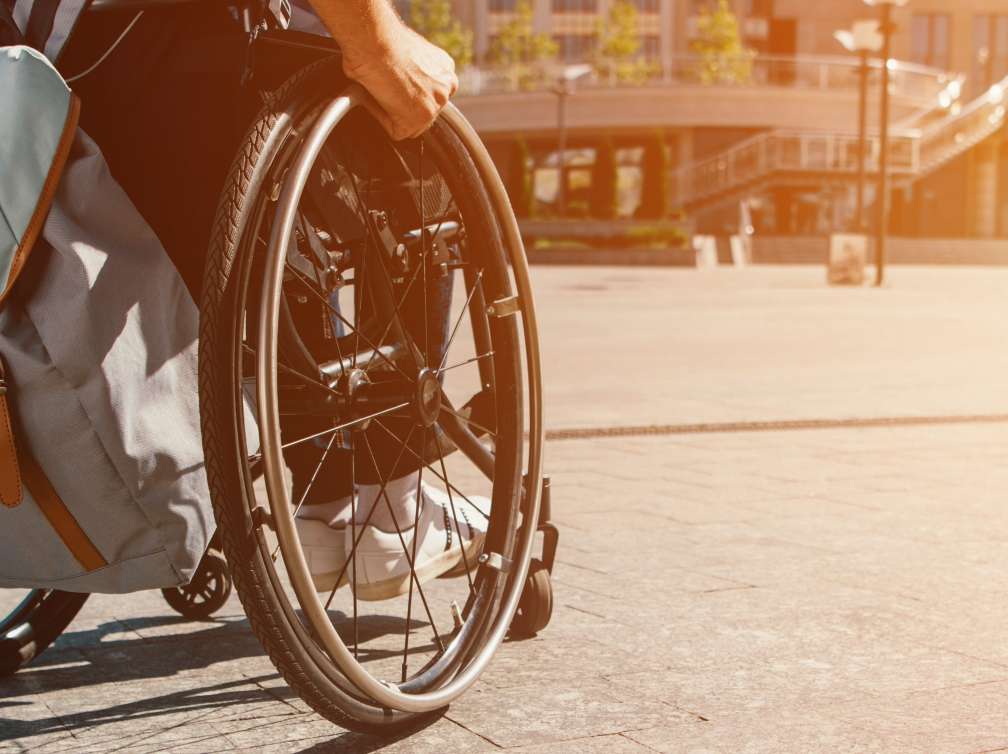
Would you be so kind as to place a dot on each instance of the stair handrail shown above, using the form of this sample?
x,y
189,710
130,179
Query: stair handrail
x,y
914,151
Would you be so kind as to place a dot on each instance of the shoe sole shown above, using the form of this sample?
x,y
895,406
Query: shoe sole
x,y
432,569
319,549
326,582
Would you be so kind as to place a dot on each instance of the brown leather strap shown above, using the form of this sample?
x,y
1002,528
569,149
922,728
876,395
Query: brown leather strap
x,y
10,472
45,198
59,516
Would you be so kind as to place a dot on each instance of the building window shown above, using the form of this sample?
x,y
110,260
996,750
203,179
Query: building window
x,y
990,49
651,46
648,6
760,8
575,48
575,6
930,34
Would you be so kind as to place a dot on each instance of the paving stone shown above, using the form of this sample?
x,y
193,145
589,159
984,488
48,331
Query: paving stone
x,y
618,744
775,591
961,719
311,733
798,732
541,714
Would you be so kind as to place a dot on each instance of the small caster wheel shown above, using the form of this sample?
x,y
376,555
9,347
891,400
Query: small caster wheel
x,y
206,593
535,608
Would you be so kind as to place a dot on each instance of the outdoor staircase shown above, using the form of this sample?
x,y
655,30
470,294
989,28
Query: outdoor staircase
x,y
917,147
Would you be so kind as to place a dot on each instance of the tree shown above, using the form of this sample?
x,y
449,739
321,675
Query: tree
x,y
435,20
724,59
520,49
603,182
619,45
654,168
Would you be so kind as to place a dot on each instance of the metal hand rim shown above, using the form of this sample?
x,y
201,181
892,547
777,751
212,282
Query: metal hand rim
x,y
269,415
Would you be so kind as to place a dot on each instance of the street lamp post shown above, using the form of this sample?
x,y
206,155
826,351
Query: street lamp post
x,y
565,88
864,39
563,91
863,72
886,27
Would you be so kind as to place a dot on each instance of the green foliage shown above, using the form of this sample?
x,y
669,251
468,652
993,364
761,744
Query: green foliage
x,y
521,50
435,20
603,182
619,37
655,236
724,59
654,166
618,53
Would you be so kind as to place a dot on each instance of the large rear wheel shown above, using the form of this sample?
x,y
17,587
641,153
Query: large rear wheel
x,y
366,319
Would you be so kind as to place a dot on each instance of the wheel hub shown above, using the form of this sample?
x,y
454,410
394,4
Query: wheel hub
x,y
428,398
351,382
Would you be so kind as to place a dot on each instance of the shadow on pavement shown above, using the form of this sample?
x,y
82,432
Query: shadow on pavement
x,y
97,656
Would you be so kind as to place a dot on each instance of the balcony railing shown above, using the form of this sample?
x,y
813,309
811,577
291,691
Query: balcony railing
x,y
912,153
822,73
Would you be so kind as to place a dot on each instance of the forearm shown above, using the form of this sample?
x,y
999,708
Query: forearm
x,y
409,78
363,28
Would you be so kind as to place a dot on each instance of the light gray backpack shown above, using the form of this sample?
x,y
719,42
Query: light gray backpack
x,y
101,464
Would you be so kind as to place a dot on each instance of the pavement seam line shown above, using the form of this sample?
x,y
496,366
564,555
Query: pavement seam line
x,y
466,728
589,433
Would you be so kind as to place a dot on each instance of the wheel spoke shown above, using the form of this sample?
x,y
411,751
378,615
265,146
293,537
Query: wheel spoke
x,y
402,541
311,483
353,555
394,317
435,473
374,239
360,276
357,332
356,538
470,422
304,229
451,502
451,339
345,425
486,355
423,260
310,381
416,531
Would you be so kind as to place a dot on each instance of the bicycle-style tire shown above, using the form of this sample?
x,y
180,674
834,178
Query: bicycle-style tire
x,y
296,649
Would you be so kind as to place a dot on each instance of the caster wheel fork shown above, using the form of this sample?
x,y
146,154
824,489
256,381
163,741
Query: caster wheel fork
x,y
535,608
208,590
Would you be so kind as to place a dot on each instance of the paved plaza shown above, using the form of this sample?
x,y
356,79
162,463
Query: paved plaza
x,y
838,587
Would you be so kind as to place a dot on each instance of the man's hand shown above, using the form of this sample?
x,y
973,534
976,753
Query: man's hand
x,y
411,83
410,78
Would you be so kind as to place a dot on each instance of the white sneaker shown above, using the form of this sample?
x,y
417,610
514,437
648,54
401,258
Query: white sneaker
x,y
320,529
383,569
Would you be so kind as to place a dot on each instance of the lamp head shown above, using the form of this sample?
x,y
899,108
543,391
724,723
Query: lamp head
x,y
864,36
575,72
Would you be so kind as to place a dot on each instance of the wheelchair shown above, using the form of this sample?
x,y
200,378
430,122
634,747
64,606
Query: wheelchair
x,y
367,306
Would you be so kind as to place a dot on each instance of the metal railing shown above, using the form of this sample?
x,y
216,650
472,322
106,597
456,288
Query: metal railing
x,y
977,121
823,73
912,153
